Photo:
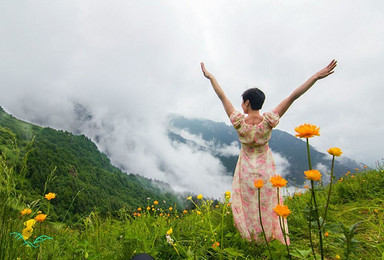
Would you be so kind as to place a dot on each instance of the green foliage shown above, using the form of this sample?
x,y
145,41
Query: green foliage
x,y
81,171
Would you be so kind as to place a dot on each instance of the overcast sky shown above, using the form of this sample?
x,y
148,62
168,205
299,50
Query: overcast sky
x,y
131,63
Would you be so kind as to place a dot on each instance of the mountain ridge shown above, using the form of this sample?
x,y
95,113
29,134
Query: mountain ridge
x,y
293,149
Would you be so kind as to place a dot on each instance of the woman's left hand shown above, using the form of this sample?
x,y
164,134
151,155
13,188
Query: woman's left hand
x,y
327,70
207,74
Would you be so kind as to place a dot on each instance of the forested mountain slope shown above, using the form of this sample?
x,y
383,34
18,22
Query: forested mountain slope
x,y
84,178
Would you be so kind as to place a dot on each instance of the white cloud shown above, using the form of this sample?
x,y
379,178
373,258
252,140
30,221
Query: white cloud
x,y
132,63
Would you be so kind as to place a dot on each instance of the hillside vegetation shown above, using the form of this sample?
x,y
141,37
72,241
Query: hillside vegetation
x,y
72,166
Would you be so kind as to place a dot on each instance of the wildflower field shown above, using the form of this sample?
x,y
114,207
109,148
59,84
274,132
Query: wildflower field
x,y
341,220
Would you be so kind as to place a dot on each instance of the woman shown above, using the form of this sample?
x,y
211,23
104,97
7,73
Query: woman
x,y
255,158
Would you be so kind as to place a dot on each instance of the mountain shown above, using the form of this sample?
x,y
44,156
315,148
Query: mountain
x,y
82,176
291,151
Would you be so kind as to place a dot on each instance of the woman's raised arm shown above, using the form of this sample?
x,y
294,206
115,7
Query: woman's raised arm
x,y
219,91
287,102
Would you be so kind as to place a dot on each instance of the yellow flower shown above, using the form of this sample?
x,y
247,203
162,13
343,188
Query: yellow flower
x,y
30,223
170,208
148,208
189,198
40,217
26,212
278,181
198,212
50,196
258,183
228,194
334,151
199,197
169,232
139,209
313,175
307,131
27,232
282,210
39,212
337,257
155,202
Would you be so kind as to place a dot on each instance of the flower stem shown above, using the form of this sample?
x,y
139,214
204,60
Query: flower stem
x,y
310,209
309,155
329,193
317,220
310,229
282,224
261,223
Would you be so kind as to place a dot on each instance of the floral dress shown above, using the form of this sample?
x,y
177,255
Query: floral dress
x,y
255,162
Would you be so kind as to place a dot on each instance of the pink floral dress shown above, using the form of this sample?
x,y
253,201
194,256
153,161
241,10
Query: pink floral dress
x,y
255,162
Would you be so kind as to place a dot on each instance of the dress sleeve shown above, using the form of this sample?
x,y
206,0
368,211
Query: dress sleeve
x,y
236,118
272,118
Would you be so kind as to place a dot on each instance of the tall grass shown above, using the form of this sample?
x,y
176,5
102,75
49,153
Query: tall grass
x,y
354,228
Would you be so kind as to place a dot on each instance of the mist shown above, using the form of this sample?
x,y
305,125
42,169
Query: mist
x,y
115,71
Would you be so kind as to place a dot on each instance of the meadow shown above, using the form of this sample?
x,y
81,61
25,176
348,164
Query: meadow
x,y
204,230
341,220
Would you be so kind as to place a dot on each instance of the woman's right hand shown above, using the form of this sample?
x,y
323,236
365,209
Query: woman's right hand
x,y
207,74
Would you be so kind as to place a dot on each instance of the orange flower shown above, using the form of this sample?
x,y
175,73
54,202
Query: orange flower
x,y
326,234
185,211
307,131
139,209
313,175
278,181
334,151
306,187
50,196
155,202
216,244
282,210
26,212
40,217
258,183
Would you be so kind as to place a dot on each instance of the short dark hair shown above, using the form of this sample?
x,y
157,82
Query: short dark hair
x,y
255,96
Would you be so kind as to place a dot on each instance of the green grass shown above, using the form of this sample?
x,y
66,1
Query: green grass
x,y
205,231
